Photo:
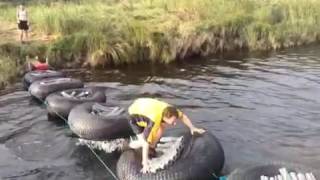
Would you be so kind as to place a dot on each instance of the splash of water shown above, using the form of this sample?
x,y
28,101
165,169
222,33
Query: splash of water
x,y
107,146
168,148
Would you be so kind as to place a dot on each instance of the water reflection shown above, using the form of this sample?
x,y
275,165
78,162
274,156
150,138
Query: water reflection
x,y
261,109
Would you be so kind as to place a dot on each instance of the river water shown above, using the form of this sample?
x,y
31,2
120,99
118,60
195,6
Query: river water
x,y
262,109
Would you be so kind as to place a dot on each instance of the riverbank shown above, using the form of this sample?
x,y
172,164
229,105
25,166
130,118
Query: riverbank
x,y
101,33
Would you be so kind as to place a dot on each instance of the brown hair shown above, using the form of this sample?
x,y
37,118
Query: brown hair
x,y
170,111
41,59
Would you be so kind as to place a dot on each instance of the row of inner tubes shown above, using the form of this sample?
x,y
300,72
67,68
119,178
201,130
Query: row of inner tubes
x,y
33,76
89,117
201,156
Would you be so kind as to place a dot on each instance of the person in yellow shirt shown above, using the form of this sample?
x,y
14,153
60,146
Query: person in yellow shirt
x,y
148,119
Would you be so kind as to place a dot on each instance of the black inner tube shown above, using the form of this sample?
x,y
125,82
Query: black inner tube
x,y
62,102
77,94
269,170
33,76
42,88
104,123
201,158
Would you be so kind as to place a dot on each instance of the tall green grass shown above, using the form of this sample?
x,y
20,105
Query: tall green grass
x,y
8,69
127,31
13,59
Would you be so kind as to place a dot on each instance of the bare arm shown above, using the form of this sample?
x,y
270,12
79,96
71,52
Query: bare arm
x,y
145,147
145,152
17,15
27,14
187,121
189,124
143,137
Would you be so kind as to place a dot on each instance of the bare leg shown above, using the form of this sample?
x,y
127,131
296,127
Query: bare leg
x,y
26,35
29,66
157,138
21,35
137,143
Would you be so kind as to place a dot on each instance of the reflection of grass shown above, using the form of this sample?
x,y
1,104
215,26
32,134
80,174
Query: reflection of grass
x,y
12,59
8,71
127,31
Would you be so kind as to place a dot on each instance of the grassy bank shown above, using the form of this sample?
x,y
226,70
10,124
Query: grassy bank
x,y
105,32
8,70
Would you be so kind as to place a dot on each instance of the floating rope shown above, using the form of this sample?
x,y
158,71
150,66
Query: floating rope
x,y
97,156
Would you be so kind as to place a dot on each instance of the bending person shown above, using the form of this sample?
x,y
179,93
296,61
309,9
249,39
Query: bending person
x,y
149,118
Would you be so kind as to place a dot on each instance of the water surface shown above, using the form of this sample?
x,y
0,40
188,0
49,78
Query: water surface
x,y
261,109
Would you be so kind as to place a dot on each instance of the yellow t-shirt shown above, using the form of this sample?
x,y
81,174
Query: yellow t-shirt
x,y
152,109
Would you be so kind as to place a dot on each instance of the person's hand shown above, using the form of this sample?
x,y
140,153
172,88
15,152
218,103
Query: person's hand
x,y
145,167
197,130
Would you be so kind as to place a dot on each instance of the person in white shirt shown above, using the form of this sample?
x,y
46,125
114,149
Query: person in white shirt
x,y
23,23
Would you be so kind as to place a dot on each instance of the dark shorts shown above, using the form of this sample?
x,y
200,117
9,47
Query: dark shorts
x,y
23,25
133,119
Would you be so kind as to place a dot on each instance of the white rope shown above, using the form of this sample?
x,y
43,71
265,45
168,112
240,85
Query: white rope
x,y
167,148
107,146
104,164
97,156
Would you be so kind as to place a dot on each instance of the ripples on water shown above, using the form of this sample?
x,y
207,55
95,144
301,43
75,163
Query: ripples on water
x,y
262,110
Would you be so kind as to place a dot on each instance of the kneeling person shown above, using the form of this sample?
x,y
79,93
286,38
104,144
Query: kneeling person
x,y
148,119
37,64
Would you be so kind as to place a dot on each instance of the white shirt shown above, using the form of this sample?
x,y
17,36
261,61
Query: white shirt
x,y
22,15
